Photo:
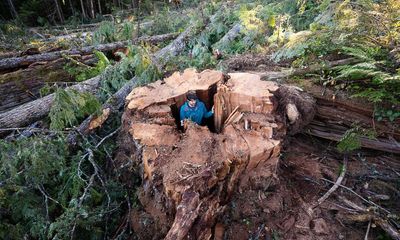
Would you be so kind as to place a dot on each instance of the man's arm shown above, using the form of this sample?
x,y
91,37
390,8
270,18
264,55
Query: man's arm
x,y
208,114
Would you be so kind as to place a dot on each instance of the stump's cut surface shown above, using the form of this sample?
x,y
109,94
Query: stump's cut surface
x,y
190,176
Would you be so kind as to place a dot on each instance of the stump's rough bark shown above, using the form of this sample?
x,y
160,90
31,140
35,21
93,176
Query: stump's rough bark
x,y
190,176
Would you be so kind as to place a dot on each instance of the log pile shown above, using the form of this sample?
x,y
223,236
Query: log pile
x,y
9,64
190,175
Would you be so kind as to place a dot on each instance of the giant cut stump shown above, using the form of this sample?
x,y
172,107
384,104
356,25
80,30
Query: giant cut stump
x,y
190,175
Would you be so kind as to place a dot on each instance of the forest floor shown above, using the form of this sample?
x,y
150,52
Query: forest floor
x,y
282,211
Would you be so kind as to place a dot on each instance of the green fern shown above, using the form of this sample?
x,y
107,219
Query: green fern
x,y
82,72
107,32
71,106
351,139
368,78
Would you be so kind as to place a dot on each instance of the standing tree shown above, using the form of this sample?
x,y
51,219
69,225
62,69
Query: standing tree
x,y
91,7
12,9
99,3
59,11
83,9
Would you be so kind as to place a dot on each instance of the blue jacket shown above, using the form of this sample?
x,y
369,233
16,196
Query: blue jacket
x,y
196,113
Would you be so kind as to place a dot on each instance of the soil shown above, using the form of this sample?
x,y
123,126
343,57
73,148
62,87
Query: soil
x,y
280,210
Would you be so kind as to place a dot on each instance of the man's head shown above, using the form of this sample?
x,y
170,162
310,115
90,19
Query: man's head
x,y
192,98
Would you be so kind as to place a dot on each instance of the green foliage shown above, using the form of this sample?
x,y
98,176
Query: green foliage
x,y
71,106
371,80
46,190
105,33
351,140
389,113
168,22
137,63
83,72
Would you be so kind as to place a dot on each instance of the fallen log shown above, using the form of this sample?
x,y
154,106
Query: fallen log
x,y
189,177
16,62
231,35
83,33
285,73
21,117
32,111
337,113
329,132
115,103
19,87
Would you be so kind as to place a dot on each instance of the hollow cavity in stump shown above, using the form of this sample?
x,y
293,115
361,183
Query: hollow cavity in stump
x,y
189,177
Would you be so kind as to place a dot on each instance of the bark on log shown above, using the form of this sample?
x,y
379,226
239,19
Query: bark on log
x,y
78,33
331,132
174,48
35,110
180,167
16,62
337,113
19,87
231,35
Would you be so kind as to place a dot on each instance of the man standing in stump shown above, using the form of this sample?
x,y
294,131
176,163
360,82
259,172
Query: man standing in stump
x,y
194,109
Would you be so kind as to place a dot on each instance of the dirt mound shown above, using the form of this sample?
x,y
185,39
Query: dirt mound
x,y
190,177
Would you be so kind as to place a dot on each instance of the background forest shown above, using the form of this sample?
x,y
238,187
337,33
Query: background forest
x,y
52,188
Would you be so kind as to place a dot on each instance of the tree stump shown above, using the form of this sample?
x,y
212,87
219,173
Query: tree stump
x,y
189,176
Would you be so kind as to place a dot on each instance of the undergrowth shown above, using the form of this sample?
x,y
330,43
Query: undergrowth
x,y
49,192
70,107
82,72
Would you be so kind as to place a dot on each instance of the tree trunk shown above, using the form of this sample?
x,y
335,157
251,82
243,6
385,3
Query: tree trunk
x,y
99,5
59,12
71,7
92,14
14,13
138,20
83,9
17,62
337,113
35,110
229,36
19,87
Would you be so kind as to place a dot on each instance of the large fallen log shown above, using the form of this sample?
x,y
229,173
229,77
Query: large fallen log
x,y
76,34
21,117
189,177
231,35
337,113
19,87
115,103
35,110
17,62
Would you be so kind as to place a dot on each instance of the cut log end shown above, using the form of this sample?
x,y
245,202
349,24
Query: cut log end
x,y
188,177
